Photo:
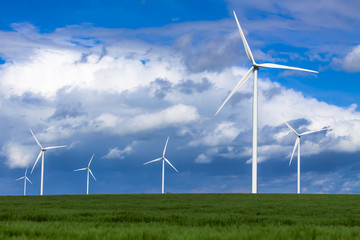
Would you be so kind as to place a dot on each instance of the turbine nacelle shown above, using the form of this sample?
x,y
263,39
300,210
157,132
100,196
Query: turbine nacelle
x,y
163,157
42,150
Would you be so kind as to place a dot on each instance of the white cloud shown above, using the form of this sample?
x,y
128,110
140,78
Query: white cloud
x,y
18,155
171,116
117,153
106,120
174,115
352,60
224,133
115,98
202,158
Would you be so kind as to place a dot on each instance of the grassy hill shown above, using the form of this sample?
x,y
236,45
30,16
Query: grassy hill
x,y
181,216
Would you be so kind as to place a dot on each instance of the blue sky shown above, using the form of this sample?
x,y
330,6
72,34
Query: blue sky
x,y
116,79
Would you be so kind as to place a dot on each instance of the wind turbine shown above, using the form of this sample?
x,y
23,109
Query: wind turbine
x,y
88,171
297,144
163,164
255,67
42,153
25,179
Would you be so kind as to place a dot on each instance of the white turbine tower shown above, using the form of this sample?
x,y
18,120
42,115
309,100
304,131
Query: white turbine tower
x,y
88,171
42,153
25,179
297,144
163,164
255,67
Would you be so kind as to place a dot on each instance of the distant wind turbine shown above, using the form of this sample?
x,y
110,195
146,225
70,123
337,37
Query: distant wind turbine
x,y
163,164
88,171
255,67
297,144
42,153
25,179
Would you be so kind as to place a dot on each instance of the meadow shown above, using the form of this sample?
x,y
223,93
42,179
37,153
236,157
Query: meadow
x,y
180,216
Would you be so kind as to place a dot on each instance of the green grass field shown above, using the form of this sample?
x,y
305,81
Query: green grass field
x,y
181,216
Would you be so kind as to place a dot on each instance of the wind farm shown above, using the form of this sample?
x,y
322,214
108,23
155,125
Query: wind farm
x,y
173,91
106,85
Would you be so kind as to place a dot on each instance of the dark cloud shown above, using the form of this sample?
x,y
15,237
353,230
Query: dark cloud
x,y
238,97
28,98
103,53
267,134
84,58
209,55
270,93
189,86
160,87
68,110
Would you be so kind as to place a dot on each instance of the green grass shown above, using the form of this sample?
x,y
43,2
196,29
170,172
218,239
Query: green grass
x,y
181,216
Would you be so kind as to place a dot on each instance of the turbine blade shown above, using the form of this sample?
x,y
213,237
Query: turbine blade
x,y
91,159
47,148
38,143
80,169
19,178
26,170
155,160
273,65
241,82
292,155
293,130
246,45
28,180
37,159
92,174
167,140
308,132
171,164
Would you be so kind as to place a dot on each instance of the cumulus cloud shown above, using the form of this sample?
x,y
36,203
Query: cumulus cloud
x,y
224,133
351,61
208,156
168,117
118,153
274,135
131,87
202,158
18,155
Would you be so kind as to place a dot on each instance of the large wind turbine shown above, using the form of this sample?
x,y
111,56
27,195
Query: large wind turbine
x,y
163,163
42,153
88,171
297,144
255,67
25,179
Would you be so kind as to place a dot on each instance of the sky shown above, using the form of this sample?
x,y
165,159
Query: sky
x,y
116,78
